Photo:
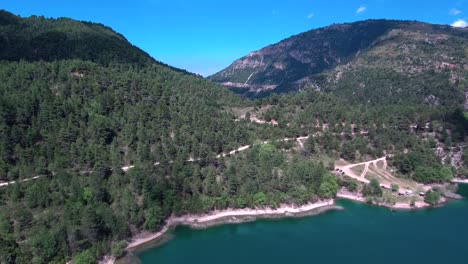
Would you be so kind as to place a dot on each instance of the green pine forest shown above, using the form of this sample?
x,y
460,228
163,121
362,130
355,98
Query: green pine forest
x,y
78,102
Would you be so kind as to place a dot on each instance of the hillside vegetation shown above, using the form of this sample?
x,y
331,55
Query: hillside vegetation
x,y
118,142
78,104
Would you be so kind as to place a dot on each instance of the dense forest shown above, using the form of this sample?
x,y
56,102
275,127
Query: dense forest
x,y
410,133
76,119
78,113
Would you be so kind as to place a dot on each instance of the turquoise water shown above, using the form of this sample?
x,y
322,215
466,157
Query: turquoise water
x,y
358,234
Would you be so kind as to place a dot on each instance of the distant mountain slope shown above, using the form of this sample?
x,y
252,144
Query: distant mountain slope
x,y
410,65
402,48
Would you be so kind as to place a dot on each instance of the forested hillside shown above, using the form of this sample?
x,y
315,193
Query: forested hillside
x,y
417,135
38,38
403,83
80,115
115,142
78,105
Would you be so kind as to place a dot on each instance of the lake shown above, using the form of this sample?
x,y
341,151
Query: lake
x,y
358,234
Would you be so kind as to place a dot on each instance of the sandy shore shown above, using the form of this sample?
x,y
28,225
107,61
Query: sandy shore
x,y
351,196
457,180
107,260
417,204
399,205
234,215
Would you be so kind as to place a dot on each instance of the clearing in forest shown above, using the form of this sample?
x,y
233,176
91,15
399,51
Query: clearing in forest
x,y
379,170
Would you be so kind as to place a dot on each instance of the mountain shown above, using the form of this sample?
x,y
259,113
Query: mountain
x,y
37,38
99,142
78,103
359,61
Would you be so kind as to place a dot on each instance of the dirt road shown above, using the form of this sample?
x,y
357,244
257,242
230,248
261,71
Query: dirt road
x,y
347,169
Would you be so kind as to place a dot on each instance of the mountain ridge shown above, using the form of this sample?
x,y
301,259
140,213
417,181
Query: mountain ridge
x,y
290,64
36,38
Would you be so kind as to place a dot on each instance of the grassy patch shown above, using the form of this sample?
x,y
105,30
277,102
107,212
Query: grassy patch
x,y
358,170
371,175
380,164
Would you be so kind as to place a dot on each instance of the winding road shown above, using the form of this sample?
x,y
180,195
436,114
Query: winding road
x,y
233,152
25,180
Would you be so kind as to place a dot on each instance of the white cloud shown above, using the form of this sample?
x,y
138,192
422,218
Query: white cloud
x,y
455,12
361,9
460,23
311,15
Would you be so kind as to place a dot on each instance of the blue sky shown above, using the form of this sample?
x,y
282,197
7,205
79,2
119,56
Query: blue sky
x,y
205,36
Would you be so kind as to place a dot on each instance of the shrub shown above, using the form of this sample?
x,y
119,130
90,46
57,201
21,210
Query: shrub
x,y
432,197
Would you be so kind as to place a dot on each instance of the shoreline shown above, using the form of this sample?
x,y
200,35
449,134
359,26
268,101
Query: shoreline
x,y
351,197
458,180
231,216
238,216
397,206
